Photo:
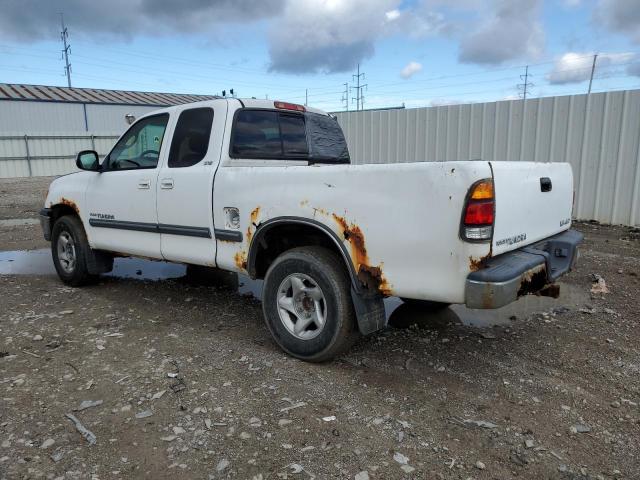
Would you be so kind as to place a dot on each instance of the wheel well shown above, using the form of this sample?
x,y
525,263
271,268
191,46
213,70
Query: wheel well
x,y
280,238
60,210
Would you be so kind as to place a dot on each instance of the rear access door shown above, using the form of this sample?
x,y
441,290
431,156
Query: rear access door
x,y
185,184
533,201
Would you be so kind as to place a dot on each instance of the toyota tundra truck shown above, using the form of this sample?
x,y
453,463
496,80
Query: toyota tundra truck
x,y
267,189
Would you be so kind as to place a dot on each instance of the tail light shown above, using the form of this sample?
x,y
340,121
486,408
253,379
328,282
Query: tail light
x,y
289,106
479,212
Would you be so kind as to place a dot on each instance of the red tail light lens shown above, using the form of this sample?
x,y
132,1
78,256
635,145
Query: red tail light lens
x,y
479,212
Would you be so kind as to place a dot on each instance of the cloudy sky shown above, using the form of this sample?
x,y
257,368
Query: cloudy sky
x,y
417,52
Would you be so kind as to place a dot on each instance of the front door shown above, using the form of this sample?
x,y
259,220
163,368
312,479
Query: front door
x,y
122,197
185,186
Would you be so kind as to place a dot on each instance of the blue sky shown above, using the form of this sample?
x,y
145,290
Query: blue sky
x,y
422,52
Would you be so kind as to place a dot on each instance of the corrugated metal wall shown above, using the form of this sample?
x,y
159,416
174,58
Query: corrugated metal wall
x,y
46,154
599,134
57,117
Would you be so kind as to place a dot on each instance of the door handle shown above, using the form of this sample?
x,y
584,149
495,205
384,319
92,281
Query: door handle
x,y
166,183
144,184
545,184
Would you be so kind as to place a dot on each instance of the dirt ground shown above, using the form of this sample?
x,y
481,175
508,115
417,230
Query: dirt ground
x,y
184,380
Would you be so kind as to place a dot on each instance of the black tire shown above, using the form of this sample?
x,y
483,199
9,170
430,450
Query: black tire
x,y
426,305
328,272
71,226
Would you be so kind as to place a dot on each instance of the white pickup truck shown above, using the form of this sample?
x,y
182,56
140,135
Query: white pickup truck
x,y
266,189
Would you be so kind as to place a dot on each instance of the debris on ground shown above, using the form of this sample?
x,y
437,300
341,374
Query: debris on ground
x,y
88,435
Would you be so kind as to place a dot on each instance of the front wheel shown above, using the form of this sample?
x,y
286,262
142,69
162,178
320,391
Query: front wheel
x,y
307,304
69,248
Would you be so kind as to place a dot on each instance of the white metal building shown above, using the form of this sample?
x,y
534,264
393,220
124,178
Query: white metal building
x,y
39,109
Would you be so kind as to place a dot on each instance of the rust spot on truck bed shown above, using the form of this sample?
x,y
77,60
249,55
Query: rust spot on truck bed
x,y
476,264
371,277
70,203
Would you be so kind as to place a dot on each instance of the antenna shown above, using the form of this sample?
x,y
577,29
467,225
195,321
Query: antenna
x,y
64,35
524,87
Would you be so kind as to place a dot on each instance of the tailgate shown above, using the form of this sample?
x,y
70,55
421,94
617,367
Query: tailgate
x,y
533,201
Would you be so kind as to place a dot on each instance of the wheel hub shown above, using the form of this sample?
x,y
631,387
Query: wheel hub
x,y
301,306
66,252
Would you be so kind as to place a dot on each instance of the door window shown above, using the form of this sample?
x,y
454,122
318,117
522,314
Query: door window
x,y
191,138
140,146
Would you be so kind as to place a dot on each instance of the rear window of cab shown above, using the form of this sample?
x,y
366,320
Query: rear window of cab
x,y
274,134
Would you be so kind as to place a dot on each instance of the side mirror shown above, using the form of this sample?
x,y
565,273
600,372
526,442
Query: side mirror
x,y
88,160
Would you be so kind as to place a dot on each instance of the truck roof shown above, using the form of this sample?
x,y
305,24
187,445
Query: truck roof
x,y
246,102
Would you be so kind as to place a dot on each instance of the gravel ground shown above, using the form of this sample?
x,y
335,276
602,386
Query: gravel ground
x,y
176,379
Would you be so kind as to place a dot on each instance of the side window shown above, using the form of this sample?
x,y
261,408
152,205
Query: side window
x,y
268,134
140,146
191,138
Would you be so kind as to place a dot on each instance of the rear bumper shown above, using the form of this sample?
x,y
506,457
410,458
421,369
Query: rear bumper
x,y
45,223
528,270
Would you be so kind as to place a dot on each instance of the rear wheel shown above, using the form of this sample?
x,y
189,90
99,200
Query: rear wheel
x,y
307,304
69,248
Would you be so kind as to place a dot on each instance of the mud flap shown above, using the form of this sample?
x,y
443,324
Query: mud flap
x,y
99,261
370,312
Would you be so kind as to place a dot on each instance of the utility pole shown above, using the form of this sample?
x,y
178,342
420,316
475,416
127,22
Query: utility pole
x,y
345,97
359,98
306,97
526,85
593,70
64,34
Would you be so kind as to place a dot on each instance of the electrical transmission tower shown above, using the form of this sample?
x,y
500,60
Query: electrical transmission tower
x,y
359,98
524,88
345,97
64,35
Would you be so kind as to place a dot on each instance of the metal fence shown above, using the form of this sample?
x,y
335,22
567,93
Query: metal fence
x,y
44,155
598,134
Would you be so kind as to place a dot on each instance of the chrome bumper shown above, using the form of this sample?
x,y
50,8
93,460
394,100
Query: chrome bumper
x,y
45,223
528,270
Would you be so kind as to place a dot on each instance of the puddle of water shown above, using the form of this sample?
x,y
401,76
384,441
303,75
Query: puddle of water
x,y
39,262
18,222
27,262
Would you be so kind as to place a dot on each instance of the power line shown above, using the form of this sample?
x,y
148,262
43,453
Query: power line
x,y
526,85
64,35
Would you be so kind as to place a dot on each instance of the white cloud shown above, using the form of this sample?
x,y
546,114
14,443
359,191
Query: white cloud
x,y
334,35
620,16
392,14
410,69
512,31
575,67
